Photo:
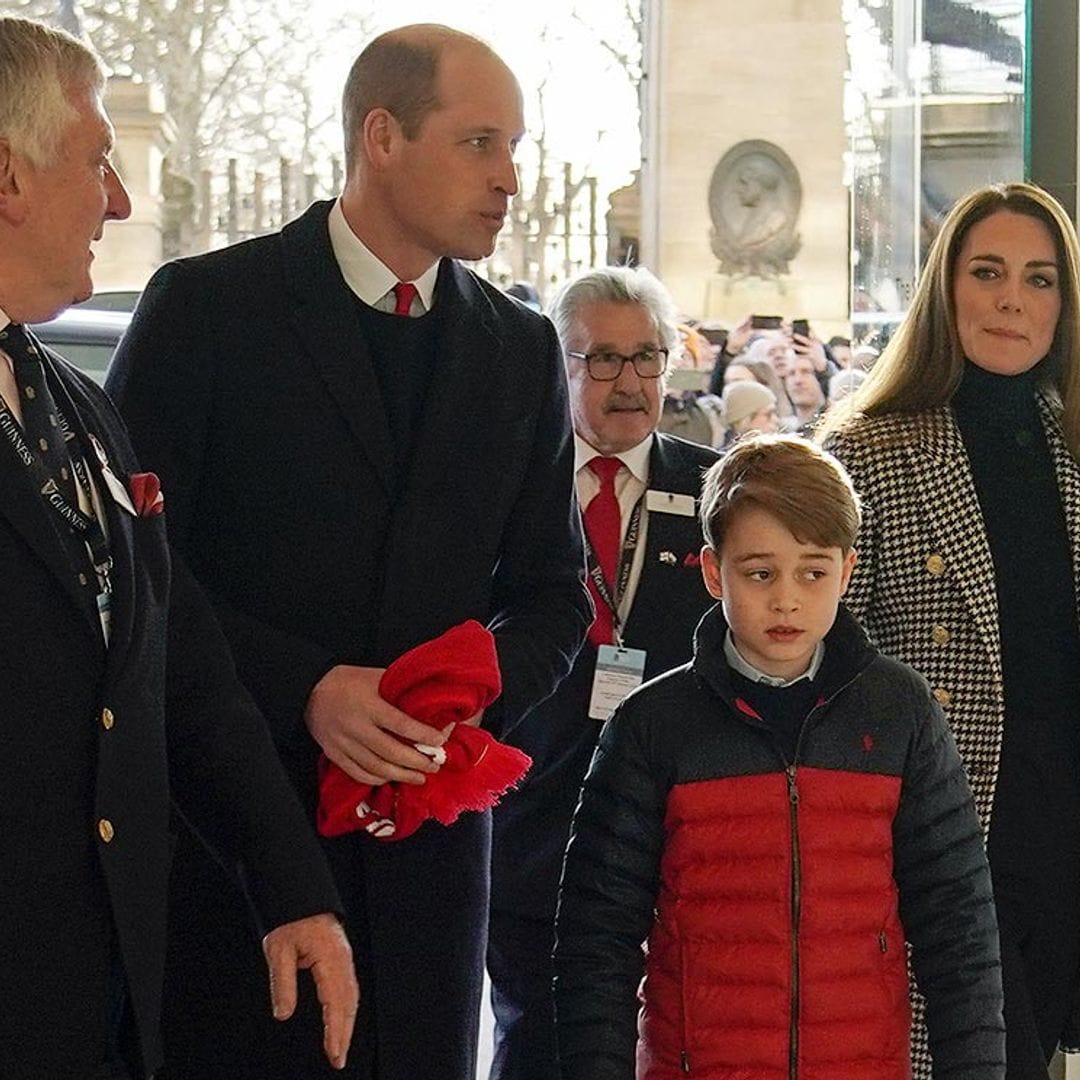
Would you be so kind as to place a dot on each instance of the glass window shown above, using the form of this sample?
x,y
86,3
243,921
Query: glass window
x,y
934,105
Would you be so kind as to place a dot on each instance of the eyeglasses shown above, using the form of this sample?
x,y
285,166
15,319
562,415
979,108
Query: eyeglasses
x,y
607,366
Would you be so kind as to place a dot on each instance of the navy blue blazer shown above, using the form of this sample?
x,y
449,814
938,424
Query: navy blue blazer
x,y
92,744
532,824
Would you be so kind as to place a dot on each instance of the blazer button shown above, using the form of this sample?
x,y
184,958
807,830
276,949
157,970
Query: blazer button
x,y
940,635
107,719
942,697
935,566
105,830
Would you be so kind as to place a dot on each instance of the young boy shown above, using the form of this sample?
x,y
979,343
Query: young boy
x,y
773,820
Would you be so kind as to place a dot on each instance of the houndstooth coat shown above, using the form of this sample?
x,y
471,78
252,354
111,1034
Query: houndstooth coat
x,y
924,586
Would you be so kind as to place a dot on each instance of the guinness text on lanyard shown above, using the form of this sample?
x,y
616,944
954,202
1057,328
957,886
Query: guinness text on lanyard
x,y
622,575
85,526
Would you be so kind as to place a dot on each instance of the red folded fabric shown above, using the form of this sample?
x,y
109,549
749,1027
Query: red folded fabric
x,y
440,682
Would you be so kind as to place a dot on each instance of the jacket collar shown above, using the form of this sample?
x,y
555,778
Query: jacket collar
x,y
847,653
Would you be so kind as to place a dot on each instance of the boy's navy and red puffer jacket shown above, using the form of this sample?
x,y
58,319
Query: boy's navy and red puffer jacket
x,y
775,896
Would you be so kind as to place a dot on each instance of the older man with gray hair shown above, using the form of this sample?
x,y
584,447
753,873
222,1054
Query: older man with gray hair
x,y
638,490
119,694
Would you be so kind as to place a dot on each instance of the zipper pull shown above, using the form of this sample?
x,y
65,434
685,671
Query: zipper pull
x,y
883,943
793,791
684,1061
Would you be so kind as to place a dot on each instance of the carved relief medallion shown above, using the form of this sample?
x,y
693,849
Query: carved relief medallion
x,y
755,196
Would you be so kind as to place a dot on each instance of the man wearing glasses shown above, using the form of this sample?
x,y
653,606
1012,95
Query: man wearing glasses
x,y
638,489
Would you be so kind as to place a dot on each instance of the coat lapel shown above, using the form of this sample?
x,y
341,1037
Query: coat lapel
x,y
1067,472
119,523
40,527
468,352
95,436
951,507
666,536
24,507
322,315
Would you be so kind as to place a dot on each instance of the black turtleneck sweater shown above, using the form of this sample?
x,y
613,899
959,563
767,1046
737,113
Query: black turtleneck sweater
x,y
1035,830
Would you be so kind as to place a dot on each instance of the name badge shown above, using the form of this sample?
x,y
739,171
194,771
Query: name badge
x,y
669,502
618,671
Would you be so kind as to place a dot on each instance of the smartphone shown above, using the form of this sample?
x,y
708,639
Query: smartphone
x,y
765,322
800,326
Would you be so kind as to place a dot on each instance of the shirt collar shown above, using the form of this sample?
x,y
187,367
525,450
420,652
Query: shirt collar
x,y
747,670
636,459
365,274
5,319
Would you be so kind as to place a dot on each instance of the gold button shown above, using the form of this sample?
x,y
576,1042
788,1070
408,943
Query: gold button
x,y
935,565
942,697
107,719
940,635
105,830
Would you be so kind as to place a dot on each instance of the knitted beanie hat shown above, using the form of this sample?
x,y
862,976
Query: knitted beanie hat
x,y
743,399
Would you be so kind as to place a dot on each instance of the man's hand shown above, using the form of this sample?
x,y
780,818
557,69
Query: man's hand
x,y
738,337
318,944
362,734
811,347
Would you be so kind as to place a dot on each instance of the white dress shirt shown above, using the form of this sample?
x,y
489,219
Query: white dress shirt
x,y
631,482
739,663
370,278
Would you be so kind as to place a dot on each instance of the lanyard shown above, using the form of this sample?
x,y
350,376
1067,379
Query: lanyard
x,y
622,576
86,526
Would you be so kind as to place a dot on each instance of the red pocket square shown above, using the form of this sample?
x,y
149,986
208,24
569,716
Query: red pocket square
x,y
440,682
146,495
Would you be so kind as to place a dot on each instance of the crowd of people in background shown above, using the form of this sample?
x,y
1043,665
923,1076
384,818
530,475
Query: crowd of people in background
x,y
764,375
802,377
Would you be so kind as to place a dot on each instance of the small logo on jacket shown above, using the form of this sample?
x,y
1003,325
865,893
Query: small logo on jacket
x,y
867,743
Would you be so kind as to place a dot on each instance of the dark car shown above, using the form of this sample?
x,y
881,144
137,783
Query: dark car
x,y
85,337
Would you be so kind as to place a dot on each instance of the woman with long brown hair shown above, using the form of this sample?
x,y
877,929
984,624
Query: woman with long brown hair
x,y
963,443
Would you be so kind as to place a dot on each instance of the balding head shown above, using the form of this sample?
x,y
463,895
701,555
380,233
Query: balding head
x,y
399,72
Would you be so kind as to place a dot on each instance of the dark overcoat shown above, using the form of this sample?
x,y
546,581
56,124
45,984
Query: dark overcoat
x,y
249,385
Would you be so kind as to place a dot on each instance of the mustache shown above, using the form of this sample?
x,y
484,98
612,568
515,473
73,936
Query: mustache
x,y
620,401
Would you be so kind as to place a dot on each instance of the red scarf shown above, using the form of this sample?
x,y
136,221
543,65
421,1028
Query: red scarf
x,y
440,682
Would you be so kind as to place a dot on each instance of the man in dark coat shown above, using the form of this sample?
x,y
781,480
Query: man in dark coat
x,y
366,444
118,689
616,326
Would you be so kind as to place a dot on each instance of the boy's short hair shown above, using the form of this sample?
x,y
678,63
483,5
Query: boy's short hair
x,y
788,477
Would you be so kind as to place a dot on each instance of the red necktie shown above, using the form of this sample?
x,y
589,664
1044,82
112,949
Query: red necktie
x,y
603,525
404,294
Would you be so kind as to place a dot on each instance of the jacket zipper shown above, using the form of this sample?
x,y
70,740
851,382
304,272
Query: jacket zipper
x,y
796,878
796,907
